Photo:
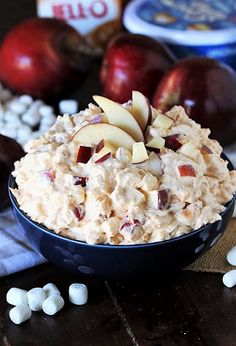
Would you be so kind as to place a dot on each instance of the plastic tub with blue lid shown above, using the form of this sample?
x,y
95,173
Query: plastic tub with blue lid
x,y
187,27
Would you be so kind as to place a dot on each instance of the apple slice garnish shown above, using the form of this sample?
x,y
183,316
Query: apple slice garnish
x,y
172,142
94,133
141,109
156,143
120,117
84,154
139,153
186,171
163,121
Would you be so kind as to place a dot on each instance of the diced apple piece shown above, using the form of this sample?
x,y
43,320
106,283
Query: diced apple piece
x,y
158,199
104,151
101,157
84,154
106,147
205,150
139,153
123,155
78,213
187,171
120,117
152,199
188,149
156,142
80,181
94,133
141,109
163,121
49,174
172,142
130,223
163,199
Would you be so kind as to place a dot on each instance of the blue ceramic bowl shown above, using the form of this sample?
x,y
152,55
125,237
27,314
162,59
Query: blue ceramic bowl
x,y
122,261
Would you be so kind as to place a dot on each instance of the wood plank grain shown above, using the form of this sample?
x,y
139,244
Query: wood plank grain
x,y
191,309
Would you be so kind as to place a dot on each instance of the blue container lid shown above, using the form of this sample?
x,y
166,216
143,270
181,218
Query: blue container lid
x,y
183,22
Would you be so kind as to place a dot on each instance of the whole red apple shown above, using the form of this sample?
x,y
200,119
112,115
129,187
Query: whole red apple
x,y
42,57
206,89
133,62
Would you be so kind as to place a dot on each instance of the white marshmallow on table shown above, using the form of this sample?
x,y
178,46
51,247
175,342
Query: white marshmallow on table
x,y
16,296
231,256
20,313
68,106
229,279
51,289
78,294
36,297
45,110
53,304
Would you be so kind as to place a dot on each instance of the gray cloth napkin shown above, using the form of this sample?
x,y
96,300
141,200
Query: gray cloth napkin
x,y
16,253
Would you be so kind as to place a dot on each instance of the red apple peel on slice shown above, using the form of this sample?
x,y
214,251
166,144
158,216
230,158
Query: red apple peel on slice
x,y
163,199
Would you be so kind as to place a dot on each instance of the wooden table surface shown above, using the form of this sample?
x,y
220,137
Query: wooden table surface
x,y
187,309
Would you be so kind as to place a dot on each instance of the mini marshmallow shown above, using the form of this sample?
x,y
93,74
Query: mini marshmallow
x,y
45,110
68,106
31,119
9,132
78,294
25,99
51,289
16,296
20,313
36,297
47,121
231,256
53,304
17,107
24,132
12,119
229,279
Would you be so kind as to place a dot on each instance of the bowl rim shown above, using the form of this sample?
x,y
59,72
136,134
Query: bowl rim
x,y
44,229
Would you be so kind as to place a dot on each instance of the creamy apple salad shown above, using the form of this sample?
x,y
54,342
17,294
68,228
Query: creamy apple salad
x,y
123,174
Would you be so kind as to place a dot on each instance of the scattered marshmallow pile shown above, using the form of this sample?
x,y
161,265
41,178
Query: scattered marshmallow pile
x,y
23,118
229,279
48,299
